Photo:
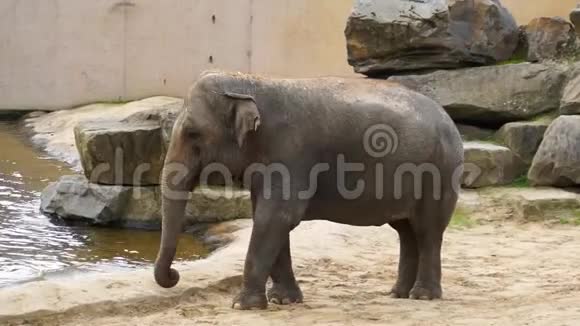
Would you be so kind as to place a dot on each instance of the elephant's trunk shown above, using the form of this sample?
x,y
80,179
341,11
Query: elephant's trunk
x,y
177,182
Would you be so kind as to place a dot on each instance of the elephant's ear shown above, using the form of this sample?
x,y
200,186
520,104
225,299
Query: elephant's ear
x,y
246,116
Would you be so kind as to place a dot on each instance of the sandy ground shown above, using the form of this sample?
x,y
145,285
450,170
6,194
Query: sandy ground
x,y
494,274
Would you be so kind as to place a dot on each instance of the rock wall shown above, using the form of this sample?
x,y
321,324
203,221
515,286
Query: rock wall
x,y
528,77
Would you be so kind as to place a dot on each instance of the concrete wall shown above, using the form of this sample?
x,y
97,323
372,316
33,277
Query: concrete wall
x,y
62,53
526,10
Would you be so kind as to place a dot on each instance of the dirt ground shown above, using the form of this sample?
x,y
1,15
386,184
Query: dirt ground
x,y
494,274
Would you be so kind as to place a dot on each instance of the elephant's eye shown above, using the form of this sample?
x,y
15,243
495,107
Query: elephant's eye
x,y
194,134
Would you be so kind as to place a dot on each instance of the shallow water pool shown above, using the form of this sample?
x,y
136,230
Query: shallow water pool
x,y
33,247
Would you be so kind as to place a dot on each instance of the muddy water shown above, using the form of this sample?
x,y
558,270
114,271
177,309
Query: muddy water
x,y
32,247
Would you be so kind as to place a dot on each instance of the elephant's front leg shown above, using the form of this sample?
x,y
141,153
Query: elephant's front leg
x,y
272,224
285,289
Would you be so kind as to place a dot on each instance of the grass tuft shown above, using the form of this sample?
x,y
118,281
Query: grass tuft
x,y
511,61
461,219
571,219
521,182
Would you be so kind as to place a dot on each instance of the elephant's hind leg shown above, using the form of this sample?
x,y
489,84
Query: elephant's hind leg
x,y
428,283
285,289
408,259
429,226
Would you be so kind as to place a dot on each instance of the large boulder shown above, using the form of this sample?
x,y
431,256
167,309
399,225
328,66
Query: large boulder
x,y
523,138
492,95
117,153
557,162
55,131
390,36
549,38
74,199
490,165
164,115
570,103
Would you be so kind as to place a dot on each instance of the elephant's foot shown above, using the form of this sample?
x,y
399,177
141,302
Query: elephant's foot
x,y
399,292
248,301
422,292
285,294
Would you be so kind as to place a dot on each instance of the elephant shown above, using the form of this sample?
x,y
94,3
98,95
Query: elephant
x,y
355,151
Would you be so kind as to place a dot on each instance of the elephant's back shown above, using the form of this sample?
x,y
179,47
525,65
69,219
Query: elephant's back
x,y
338,115
421,126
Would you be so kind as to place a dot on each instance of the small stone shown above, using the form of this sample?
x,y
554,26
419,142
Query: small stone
x,y
488,164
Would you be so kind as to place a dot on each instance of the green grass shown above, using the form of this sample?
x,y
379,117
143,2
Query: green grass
x,y
511,61
546,118
461,219
573,219
570,221
521,182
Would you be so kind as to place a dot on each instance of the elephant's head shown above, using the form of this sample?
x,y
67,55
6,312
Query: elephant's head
x,y
214,126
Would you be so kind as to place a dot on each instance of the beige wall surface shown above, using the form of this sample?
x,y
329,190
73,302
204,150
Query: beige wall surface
x,y
62,53
526,10
55,53
300,37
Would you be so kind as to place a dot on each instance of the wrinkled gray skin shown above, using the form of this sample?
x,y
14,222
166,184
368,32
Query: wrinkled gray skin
x,y
239,119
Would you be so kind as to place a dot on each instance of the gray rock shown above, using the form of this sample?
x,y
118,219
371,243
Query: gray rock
x,y
557,162
489,165
54,132
206,205
390,36
116,153
539,204
575,18
74,199
570,103
549,38
536,204
492,95
165,116
523,138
